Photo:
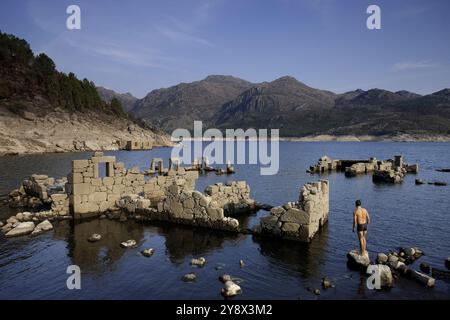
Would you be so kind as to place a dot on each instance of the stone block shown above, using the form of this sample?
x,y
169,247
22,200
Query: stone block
x,y
98,196
58,197
113,197
215,213
103,159
81,188
295,215
77,178
211,190
80,164
290,227
189,203
143,203
108,181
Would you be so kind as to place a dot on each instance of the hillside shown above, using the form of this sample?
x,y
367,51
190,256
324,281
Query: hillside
x,y
301,111
180,105
127,100
43,110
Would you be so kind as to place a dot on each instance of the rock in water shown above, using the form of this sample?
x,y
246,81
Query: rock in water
x,y
148,252
317,292
231,289
386,279
21,229
200,262
326,283
42,227
128,244
358,261
191,276
447,263
225,277
424,267
422,278
241,263
382,258
94,237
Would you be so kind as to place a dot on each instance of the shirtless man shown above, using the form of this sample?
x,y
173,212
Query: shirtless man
x,y
361,219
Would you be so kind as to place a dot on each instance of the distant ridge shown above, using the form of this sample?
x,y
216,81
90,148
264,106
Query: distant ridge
x,y
295,108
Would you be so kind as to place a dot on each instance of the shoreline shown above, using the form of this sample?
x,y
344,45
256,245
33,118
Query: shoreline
x,y
318,138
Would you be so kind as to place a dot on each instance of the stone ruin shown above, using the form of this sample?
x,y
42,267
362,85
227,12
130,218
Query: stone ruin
x,y
41,192
132,145
387,171
102,187
300,220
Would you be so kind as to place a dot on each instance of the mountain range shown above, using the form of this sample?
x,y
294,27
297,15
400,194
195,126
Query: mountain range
x,y
297,109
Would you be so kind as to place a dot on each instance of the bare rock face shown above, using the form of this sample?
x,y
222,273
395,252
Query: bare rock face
x,y
21,229
357,261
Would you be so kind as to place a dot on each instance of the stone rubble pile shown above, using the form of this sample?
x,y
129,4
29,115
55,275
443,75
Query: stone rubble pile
x,y
35,193
25,226
396,263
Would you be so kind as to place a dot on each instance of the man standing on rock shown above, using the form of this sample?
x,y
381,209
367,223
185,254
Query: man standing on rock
x,y
361,219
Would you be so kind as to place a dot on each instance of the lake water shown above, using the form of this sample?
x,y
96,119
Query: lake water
x,y
403,215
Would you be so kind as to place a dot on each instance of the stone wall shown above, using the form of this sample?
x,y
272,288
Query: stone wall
x,y
233,196
137,145
41,192
300,220
185,206
91,194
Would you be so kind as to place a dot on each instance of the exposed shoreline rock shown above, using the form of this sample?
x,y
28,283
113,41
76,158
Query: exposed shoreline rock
x,y
357,261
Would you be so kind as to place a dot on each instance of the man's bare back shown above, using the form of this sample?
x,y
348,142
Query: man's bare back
x,y
361,219
361,215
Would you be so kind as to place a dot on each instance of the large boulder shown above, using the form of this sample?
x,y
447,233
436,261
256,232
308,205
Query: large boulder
x,y
42,227
21,229
386,279
357,261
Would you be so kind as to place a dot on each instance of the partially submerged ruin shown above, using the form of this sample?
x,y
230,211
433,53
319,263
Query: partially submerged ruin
x,y
387,171
300,220
102,187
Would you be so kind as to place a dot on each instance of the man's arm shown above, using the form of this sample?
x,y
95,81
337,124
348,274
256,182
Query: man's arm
x,y
368,217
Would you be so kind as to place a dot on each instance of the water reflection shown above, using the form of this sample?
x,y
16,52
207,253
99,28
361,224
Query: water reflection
x,y
184,241
303,258
102,255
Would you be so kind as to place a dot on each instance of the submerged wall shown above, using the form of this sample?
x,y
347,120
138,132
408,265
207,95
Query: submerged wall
x,y
90,194
300,220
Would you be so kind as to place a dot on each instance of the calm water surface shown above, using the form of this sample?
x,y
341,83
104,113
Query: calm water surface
x,y
403,215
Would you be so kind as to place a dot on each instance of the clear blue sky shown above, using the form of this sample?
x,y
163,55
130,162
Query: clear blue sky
x,y
138,46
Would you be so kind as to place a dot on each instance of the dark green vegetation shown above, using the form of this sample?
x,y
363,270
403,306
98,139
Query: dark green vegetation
x,y
295,108
28,81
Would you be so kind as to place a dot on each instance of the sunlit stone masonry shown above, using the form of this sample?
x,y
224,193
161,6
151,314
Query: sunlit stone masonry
x,y
300,220
160,194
